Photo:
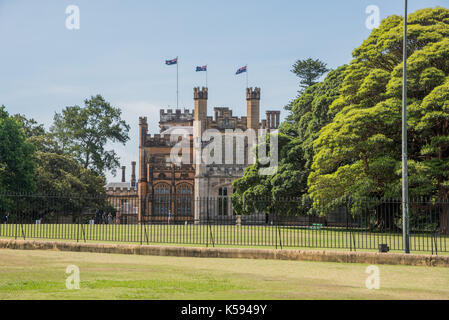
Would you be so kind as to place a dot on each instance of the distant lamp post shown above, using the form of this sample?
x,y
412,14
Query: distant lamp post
x,y
405,217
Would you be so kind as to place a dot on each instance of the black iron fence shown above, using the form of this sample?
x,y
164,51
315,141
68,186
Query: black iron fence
x,y
281,223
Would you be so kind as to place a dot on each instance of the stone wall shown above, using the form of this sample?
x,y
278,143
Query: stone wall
x,y
297,255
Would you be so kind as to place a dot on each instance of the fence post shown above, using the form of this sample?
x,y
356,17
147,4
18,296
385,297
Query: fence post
x,y
15,233
146,234
82,228
210,227
23,232
436,242
347,225
279,230
142,213
207,224
78,229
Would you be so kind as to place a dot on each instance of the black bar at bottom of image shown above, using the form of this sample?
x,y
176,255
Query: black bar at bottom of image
x,y
218,309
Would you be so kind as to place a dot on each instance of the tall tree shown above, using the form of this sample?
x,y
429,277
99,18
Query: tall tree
x,y
85,131
17,164
309,71
64,185
359,152
309,113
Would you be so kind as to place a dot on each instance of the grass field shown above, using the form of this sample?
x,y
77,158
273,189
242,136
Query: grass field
x,y
41,275
226,235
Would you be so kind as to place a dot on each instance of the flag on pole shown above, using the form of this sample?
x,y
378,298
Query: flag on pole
x,y
203,68
170,62
241,70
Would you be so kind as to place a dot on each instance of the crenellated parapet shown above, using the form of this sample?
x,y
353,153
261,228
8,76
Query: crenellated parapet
x,y
177,115
224,119
143,121
253,94
157,140
199,93
252,108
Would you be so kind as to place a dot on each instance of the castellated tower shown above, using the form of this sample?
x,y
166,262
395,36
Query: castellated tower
x,y
143,131
199,126
200,111
142,185
252,108
199,120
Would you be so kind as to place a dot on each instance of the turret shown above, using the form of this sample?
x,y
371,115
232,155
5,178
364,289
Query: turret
x,y
200,111
252,108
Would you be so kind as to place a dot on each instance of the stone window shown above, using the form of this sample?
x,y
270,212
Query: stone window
x,y
184,200
161,199
223,201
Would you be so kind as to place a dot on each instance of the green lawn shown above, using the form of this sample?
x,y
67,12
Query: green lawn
x,y
41,275
222,235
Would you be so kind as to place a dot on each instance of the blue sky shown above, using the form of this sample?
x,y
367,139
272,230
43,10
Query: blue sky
x,y
120,49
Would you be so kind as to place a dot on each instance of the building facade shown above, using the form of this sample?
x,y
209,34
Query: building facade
x,y
199,185
122,196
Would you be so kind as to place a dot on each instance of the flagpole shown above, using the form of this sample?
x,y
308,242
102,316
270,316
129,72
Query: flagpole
x,y
206,75
405,203
177,82
247,76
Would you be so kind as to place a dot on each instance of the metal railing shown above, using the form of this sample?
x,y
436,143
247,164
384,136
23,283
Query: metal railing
x,y
281,223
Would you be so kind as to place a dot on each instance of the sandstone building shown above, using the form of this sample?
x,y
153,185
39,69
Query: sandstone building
x,y
187,191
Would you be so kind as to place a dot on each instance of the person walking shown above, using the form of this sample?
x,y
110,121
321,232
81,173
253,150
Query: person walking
x,y
110,218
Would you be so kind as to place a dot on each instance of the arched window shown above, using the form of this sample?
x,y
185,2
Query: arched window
x,y
184,200
222,199
161,199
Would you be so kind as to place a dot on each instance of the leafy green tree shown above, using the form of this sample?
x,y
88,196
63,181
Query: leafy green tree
x,y
63,184
36,134
310,112
17,164
72,186
85,132
283,191
309,70
359,152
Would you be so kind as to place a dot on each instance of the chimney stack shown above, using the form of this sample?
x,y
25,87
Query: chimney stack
x,y
133,174
252,108
123,174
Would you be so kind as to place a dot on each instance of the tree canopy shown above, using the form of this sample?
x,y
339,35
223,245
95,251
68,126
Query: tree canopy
x,y
16,156
84,133
308,71
359,152
17,166
309,113
343,135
